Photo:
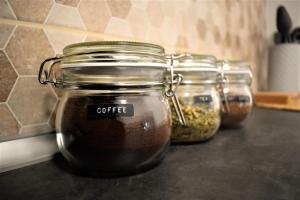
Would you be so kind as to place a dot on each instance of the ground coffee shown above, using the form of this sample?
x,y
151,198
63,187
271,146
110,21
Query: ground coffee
x,y
236,109
115,134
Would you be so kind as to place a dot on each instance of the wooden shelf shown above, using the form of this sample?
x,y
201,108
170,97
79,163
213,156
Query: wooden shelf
x,y
278,100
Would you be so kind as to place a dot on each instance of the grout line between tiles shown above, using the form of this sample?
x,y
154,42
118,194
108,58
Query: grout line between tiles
x,y
55,27
52,88
50,41
11,9
15,83
11,63
85,38
33,126
9,37
82,22
20,130
15,116
88,33
52,112
50,12
68,7
11,91
77,7
36,124
28,76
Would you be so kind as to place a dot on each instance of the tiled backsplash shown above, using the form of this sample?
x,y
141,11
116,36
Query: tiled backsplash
x,y
32,30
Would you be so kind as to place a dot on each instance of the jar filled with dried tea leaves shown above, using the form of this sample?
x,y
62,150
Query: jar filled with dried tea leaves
x,y
199,98
113,118
235,91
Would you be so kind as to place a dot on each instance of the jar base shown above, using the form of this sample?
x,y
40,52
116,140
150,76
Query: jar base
x,y
112,166
81,171
192,142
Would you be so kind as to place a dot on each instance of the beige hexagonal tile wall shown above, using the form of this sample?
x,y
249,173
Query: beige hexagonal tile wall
x,y
181,41
138,22
72,3
140,4
9,126
155,13
31,31
5,29
8,77
118,8
95,14
65,16
154,35
169,31
59,39
33,11
118,27
5,32
5,10
27,48
32,102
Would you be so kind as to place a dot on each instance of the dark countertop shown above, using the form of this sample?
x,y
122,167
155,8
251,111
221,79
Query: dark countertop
x,y
259,161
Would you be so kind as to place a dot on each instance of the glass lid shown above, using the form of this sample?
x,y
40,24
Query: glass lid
x,y
196,68
194,62
108,53
236,67
85,47
112,64
236,71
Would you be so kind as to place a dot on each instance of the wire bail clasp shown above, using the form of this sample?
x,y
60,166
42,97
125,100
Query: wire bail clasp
x,y
176,79
45,74
222,79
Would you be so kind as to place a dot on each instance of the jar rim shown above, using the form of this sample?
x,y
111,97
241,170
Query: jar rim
x,y
235,71
194,62
195,68
183,57
112,63
84,47
234,66
111,54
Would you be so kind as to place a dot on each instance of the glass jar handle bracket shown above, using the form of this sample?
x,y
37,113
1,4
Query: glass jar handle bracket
x,y
45,79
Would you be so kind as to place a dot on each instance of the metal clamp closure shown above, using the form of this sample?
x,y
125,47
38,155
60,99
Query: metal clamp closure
x,y
45,79
175,81
222,79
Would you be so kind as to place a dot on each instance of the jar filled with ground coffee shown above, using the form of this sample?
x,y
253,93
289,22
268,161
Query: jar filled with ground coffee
x,y
198,96
113,118
235,91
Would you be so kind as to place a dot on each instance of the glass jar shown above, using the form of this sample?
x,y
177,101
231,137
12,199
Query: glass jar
x,y
235,91
198,97
113,118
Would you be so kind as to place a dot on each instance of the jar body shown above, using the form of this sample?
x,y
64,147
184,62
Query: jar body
x,y
115,133
200,105
237,103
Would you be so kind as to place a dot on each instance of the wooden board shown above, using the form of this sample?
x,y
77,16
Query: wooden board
x,y
276,100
